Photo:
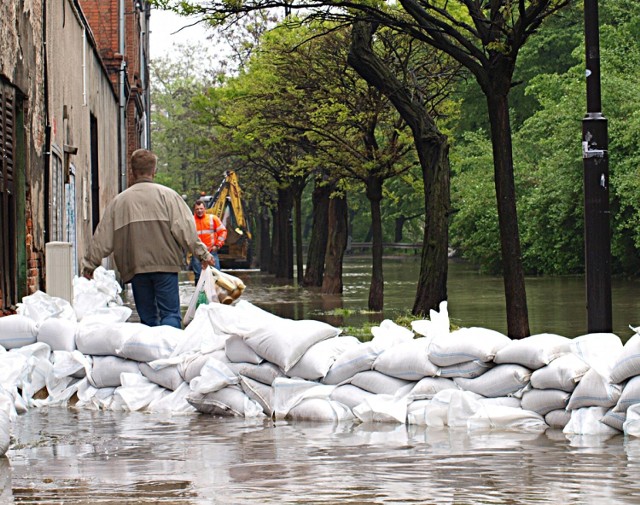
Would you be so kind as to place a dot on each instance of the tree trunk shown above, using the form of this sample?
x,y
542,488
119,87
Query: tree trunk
x,y
319,235
338,220
297,206
265,240
513,272
283,250
376,290
397,236
275,241
432,149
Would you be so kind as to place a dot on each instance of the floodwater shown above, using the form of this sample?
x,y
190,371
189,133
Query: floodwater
x,y
82,457
556,304
74,456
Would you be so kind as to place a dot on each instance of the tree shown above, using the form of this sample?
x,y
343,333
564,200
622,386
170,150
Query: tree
x,y
432,148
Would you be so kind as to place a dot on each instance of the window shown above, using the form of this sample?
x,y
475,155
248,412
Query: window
x,y
8,236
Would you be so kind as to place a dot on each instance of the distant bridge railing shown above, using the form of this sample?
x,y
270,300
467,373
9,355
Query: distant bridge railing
x,y
363,246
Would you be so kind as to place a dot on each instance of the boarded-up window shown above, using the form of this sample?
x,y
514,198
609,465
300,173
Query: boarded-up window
x,y
8,242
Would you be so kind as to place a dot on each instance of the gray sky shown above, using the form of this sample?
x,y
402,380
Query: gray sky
x,y
162,36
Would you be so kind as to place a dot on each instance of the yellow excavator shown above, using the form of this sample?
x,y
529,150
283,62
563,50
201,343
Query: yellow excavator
x,y
227,204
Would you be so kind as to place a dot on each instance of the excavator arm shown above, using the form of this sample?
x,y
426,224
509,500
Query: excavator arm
x,y
228,206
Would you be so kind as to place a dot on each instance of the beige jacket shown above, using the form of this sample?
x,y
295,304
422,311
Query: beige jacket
x,y
147,227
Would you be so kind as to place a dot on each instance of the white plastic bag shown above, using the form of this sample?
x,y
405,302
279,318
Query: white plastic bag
x,y
205,292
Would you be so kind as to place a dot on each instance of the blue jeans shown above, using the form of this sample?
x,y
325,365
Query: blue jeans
x,y
196,266
157,298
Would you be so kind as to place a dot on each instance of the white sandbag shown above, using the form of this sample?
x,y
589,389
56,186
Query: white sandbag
x,y
502,401
287,393
502,380
92,295
593,390
278,340
101,339
73,364
543,401
557,419
498,417
437,325
390,334
214,376
199,336
60,390
192,364
416,412
382,408
151,343
239,352
349,395
379,383
586,421
535,351
320,409
230,401
317,360
614,419
59,334
5,432
428,387
111,314
17,330
352,361
168,377
466,344
94,398
631,425
135,393
630,395
408,360
450,407
258,392
174,402
106,370
40,306
265,372
562,373
628,362
13,366
467,370
600,351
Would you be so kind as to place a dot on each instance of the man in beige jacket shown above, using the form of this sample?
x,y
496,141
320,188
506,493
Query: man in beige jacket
x,y
148,227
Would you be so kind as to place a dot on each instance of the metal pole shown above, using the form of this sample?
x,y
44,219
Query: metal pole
x,y
597,233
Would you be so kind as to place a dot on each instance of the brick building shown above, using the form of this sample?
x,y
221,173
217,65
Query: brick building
x,y
74,102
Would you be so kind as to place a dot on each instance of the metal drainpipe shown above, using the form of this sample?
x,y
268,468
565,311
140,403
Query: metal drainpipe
x,y
123,126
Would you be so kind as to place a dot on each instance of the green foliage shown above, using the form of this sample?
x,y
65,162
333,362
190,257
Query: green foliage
x,y
549,168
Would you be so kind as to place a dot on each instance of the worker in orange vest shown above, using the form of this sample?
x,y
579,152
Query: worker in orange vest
x,y
211,232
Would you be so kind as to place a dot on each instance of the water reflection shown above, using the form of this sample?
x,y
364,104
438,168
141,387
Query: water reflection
x,y
556,304
74,457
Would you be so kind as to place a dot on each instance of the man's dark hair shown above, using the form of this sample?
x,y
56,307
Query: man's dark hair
x,y
199,202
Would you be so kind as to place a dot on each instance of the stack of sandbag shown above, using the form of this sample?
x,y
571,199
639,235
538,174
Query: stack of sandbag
x,y
552,377
240,360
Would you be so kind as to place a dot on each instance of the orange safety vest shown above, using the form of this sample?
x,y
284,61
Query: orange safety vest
x,y
211,230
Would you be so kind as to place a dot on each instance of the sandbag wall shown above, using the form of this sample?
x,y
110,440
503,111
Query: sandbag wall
x,y
240,360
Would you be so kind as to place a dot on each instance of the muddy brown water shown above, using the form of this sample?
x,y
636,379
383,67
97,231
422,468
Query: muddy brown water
x,y
74,456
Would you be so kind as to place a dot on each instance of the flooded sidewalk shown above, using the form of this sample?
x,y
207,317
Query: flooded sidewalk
x,y
74,456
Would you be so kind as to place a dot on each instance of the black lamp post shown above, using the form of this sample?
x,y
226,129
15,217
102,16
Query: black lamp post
x,y
595,156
